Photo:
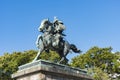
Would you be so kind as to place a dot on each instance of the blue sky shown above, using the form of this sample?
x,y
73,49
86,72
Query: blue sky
x,y
88,23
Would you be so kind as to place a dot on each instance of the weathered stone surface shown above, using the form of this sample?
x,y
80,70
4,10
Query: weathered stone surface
x,y
45,70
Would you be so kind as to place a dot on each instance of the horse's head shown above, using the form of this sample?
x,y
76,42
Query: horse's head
x,y
44,23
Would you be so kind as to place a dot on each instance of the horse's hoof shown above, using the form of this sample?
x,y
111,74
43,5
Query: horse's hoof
x,y
58,62
33,60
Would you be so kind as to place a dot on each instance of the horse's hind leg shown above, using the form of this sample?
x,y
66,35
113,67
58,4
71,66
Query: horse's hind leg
x,y
62,59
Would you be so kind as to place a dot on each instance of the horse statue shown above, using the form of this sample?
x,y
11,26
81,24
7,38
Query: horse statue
x,y
46,42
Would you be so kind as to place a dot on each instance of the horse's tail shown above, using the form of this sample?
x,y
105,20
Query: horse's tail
x,y
74,48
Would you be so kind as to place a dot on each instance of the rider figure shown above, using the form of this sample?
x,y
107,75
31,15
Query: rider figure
x,y
52,32
58,33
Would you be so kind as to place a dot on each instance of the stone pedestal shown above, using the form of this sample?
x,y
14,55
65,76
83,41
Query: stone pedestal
x,y
45,70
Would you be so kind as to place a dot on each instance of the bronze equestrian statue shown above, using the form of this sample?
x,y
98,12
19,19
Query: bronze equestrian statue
x,y
53,39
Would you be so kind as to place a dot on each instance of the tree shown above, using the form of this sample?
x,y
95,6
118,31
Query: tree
x,y
98,74
101,58
51,56
9,62
101,61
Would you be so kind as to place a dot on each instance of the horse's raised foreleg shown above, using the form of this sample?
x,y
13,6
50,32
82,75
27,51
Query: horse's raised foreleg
x,y
38,54
39,46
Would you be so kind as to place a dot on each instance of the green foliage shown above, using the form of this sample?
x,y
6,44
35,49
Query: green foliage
x,y
96,60
9,62
101,58
51,56
117,63
98,74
